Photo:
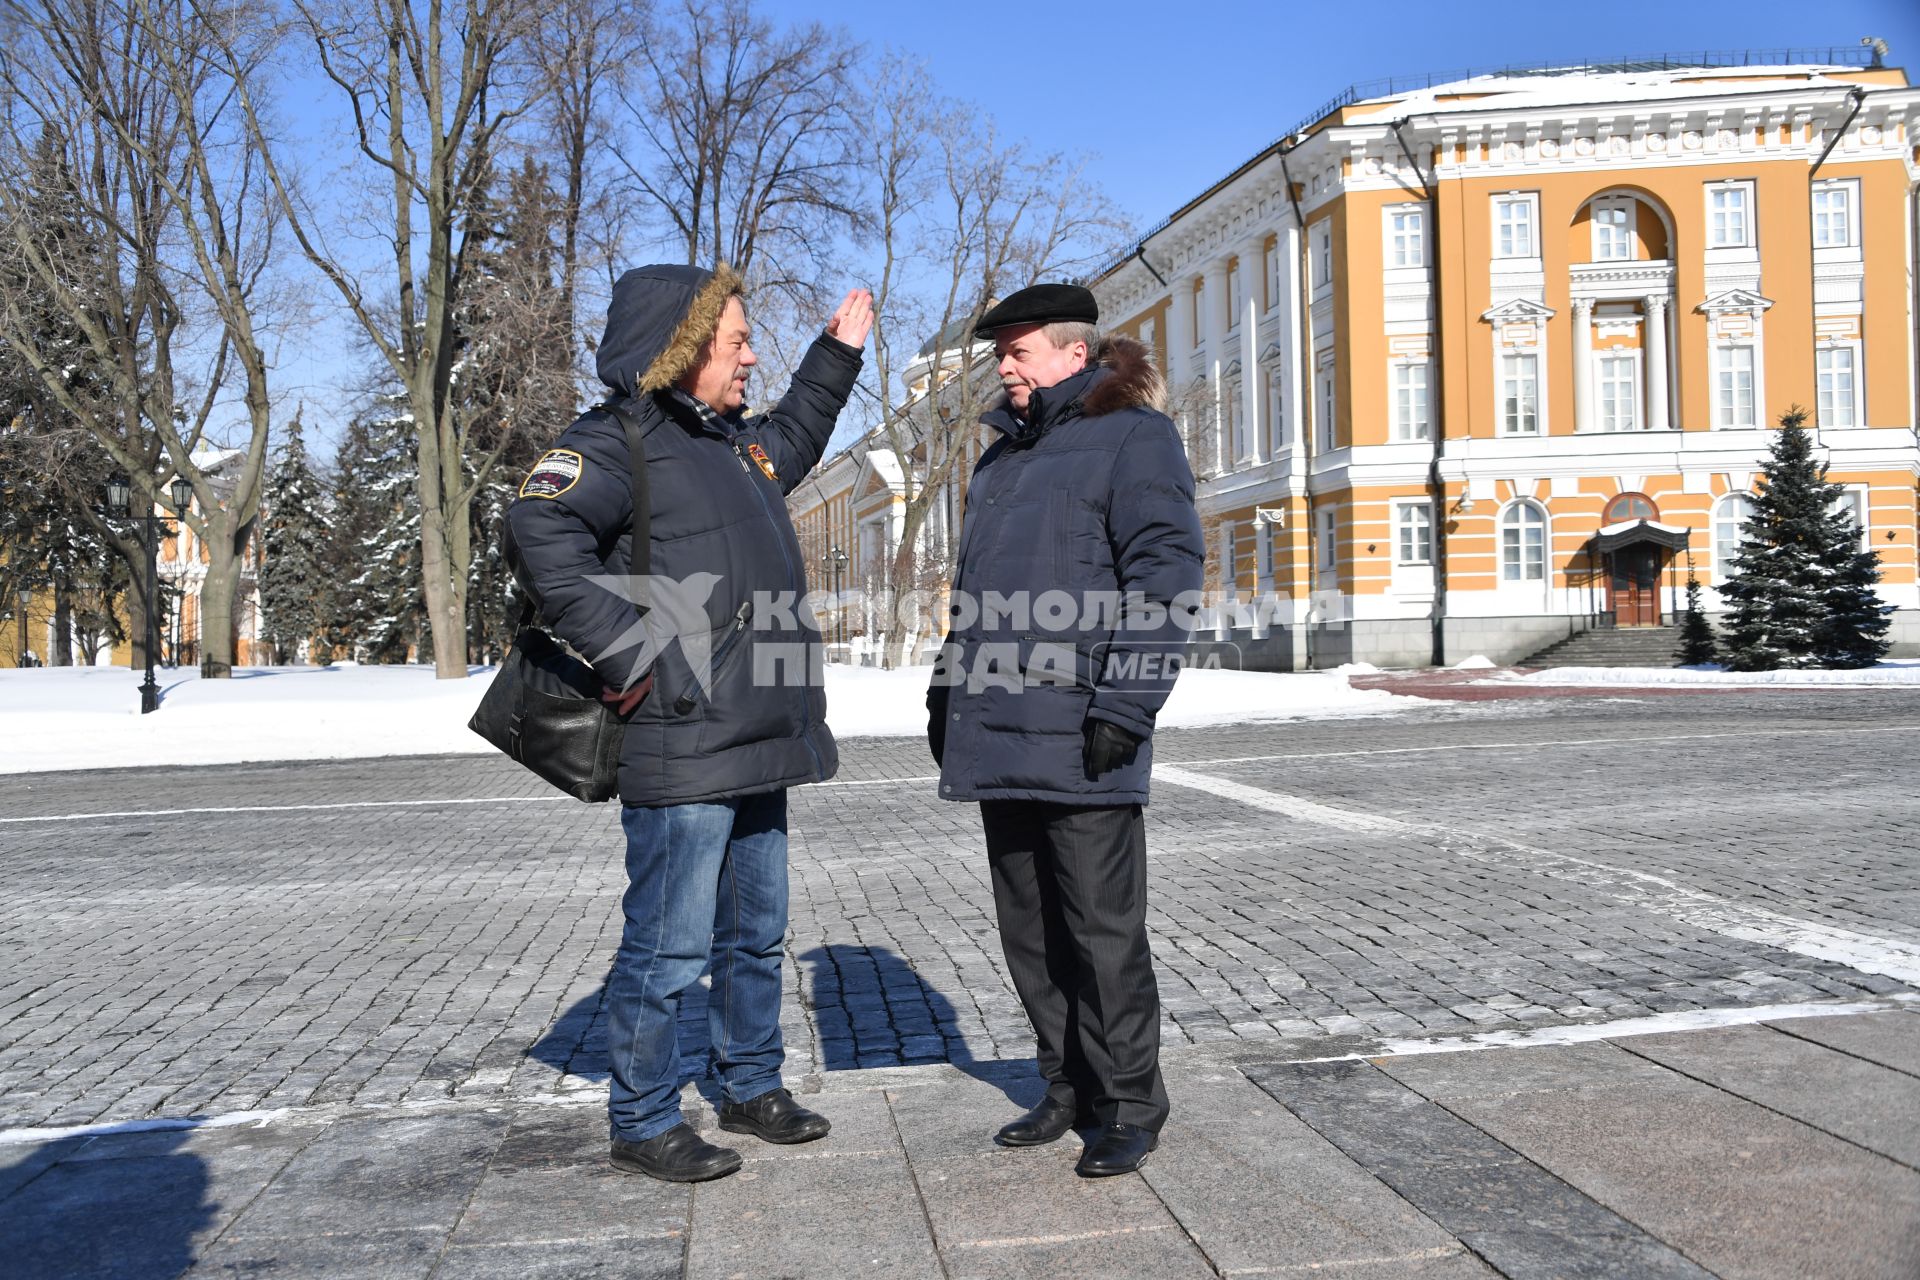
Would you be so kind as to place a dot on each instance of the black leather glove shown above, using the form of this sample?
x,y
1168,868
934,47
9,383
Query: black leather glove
x,y
937,724
1108,746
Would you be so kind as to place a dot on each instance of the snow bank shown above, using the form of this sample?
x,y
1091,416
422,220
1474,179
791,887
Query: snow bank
x,y
1898,672
1478,662
80,718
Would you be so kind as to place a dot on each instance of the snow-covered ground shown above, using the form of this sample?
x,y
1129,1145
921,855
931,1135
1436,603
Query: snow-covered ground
x,y
77,718
1900,671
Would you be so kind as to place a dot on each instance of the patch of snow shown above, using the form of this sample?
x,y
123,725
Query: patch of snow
x,y
1900,672
1352,669
89,718
1478,662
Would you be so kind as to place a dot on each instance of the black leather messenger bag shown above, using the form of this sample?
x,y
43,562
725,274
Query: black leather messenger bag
x,y
544,708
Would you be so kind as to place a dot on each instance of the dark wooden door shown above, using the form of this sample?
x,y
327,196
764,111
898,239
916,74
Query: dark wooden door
x,y
1634,587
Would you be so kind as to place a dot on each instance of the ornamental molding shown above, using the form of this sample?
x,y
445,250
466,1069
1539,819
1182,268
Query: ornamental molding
x,y
1735,302
1518,311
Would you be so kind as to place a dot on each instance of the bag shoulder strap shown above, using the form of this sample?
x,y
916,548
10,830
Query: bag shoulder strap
x,y
641,557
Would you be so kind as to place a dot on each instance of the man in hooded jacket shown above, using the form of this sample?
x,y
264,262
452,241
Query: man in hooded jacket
x,y
1079,564
714,665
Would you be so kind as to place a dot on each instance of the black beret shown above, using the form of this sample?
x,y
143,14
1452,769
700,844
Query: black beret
x,y
1041,304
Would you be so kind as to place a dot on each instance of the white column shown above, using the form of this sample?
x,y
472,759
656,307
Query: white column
x,y
1582,364
1215,327
1253,290
1180,345
1656,359
1292,363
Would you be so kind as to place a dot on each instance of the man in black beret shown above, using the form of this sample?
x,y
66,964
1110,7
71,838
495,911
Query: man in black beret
x,y
1044,714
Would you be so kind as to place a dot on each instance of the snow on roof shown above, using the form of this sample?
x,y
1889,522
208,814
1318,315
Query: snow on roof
x,y
1621,526
1578,86
212,457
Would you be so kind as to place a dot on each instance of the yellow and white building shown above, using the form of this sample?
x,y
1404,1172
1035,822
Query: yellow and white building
x,y
1469,367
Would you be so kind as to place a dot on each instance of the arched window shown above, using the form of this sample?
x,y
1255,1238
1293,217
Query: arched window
x,y
1729,517
1523,543
1630,506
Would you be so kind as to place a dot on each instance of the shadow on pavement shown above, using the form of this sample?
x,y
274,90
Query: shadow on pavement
x,y
69,1210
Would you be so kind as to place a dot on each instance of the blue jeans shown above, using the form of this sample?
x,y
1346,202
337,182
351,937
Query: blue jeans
x,y
702,880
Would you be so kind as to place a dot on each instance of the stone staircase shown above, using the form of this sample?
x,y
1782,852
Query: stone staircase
x,y
1611,647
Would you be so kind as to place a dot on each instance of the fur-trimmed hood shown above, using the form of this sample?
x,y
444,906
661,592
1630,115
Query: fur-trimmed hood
x,y
660,319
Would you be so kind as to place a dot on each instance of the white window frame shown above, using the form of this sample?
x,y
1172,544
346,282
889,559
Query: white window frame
x,y
1270,273
1601,232
1410,393
1239,431
1236,295
1719,234
1829,409
1859,497
1504,377
1636,418
1727,414
1724,548
1413,533
1848,189
1276,406
1519,558
1404,247
1503,204
1326,563
1323,255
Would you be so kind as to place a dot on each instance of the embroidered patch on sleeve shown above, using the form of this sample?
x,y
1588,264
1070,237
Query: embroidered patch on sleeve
x,y
759,455
556,472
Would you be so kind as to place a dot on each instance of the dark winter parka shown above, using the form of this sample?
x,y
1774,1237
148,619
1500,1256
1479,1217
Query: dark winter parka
x,y
1083,511
719,518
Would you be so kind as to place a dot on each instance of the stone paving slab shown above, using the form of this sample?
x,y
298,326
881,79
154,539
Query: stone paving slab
x,y
1573,1161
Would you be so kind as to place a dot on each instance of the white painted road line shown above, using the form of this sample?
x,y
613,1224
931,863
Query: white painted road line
x,y
1865,952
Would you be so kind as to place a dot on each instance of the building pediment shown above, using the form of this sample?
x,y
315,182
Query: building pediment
x,y
1518,311
1734,302
880,473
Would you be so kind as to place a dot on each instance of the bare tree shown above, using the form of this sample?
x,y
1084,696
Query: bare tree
x,y
743,140
163,279
962,217
431,87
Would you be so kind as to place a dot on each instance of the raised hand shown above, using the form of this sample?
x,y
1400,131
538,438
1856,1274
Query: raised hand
x,y
853,319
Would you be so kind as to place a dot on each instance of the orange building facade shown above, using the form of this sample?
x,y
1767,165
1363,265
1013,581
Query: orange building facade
x,y
1466,369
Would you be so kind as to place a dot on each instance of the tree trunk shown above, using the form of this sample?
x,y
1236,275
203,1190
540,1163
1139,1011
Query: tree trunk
x,y
216,606
62,624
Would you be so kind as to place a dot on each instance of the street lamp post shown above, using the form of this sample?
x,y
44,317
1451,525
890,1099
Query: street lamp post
x,y
839,558
26,600
120,502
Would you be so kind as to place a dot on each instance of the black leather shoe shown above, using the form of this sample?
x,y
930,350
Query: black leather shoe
x,y
773,1117
1120,1148
1046,1123
678,1155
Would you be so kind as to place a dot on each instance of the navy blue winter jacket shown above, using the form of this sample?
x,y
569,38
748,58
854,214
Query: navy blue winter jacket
x,y
1080,521
721,532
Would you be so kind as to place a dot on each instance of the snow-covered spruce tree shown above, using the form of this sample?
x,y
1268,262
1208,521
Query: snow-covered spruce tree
x,y
1801,589
1697,646
375,606
292,569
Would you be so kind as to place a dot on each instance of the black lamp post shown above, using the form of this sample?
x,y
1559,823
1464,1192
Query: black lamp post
x,y
839,559
120,502
26,599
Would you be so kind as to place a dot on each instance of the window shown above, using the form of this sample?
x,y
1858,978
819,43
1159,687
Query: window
x,y
1852,503
1239,430
1406,236
1413,533
1729,524
1196,318
1612,230
1275,431
1630,506
1733,387
1271,271
1329,540
1618,377
1326,408
1236,295
1728,226
1523,544
1520,394
1833,215
1412,418
1322,255
1513,227
1835,375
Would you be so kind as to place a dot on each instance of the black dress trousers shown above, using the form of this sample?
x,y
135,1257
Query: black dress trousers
x,y
1070,887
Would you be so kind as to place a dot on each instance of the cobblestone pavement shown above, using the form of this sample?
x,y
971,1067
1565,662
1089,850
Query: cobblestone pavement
x,y
178,942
